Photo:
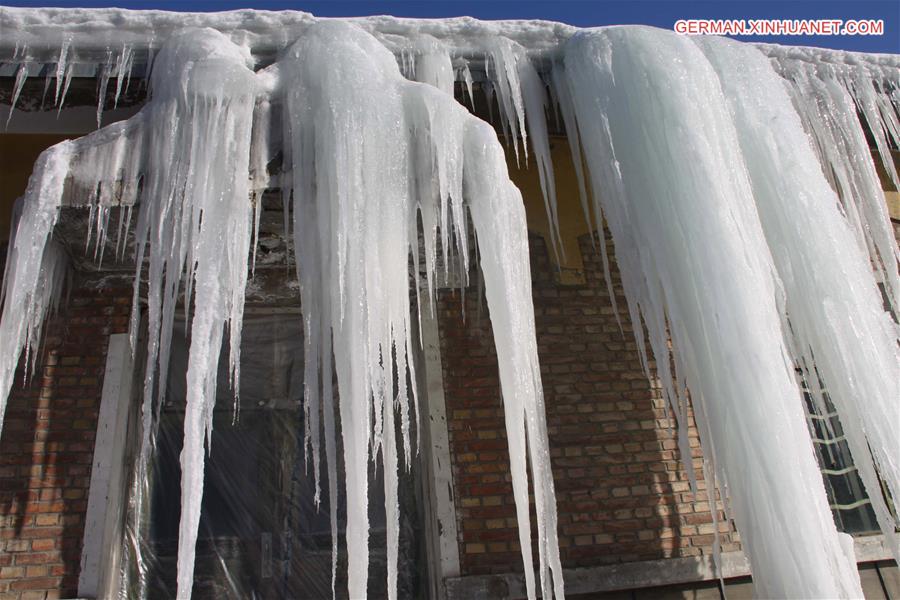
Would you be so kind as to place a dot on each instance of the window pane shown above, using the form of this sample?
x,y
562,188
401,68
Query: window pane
x,y
847,497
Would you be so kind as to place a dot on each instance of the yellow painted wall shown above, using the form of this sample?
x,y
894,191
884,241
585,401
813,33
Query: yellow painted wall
x,y
890,194
572,224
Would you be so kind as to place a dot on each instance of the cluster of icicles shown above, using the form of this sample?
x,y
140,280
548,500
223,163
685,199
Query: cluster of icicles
x,y
747,214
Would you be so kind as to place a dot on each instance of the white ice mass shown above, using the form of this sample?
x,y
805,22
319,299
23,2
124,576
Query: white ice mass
x,y
745,208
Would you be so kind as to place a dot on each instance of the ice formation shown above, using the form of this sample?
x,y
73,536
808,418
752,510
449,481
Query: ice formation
x,y
35,266
701,246
428,154
793,198
748,220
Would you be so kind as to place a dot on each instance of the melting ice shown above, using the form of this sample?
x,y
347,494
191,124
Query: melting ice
x,y
747,216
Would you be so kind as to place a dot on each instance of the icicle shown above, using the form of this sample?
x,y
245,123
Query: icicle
x,y
105,73
567,109
499,219
432,64
466,77
522,99
123,71
54,277
366,156
330,431
70,69
46,72
592,218
880,116
212,230
260,154
391,506
690,246
21,76
310,270
31,269
330,259
62,67
502,68
122,231
826,276
535,103
191,147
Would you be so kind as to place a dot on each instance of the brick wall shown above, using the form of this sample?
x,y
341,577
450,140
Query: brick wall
x,y
622,494
47,447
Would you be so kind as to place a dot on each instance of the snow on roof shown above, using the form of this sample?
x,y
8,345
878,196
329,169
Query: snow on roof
x,y
37,34
44,30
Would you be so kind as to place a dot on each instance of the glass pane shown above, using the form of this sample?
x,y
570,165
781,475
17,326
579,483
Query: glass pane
x,y
850,505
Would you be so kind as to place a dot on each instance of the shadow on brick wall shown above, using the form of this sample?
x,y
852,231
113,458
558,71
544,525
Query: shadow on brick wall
x,y
47,445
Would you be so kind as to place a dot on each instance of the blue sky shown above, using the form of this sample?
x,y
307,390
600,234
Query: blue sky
x,y
584,13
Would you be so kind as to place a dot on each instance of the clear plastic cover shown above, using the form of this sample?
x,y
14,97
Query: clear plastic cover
x,y
261,533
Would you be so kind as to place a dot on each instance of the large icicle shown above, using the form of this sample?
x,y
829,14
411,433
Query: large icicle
x,y
499,219
825,275
696,267
371,151
191,147
21,76
29,281
219,214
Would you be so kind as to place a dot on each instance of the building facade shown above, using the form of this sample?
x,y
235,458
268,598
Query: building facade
x,y
630,526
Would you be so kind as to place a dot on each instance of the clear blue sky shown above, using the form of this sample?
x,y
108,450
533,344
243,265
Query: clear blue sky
x,y
584,13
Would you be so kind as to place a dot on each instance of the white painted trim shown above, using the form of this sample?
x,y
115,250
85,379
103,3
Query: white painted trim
x,y
101,548
440,505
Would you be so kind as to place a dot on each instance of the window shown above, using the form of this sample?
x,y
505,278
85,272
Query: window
x,y
847,497
260,533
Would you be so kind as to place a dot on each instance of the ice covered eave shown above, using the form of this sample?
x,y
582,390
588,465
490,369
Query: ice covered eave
x,y
93,33
44,30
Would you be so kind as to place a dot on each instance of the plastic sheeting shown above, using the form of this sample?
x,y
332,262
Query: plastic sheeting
x,y
261,535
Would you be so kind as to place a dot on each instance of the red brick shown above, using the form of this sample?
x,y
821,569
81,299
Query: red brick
x,y
621,489
47,445
37,558
48,544
38,583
